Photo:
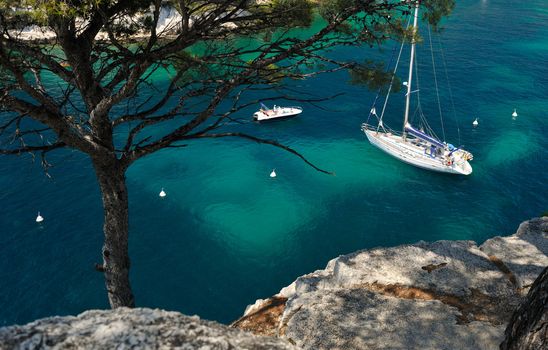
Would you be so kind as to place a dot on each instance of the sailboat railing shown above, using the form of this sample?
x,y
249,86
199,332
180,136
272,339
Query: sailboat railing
x,y
366,126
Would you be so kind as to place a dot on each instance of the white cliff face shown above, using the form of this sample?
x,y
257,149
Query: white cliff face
x,y
169,23
440,295
33,32
125,328
169,20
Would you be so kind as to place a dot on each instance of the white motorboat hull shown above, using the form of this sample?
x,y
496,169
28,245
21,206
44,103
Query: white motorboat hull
x,y
415,155
278,113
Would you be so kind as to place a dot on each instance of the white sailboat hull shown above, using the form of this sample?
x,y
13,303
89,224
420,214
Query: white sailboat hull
x,y
415,153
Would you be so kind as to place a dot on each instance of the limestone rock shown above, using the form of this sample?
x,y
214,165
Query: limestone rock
x,y
361,319
125,328
524,254
465,267
440,295
263,321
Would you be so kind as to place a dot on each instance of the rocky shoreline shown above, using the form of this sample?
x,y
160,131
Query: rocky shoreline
x,y
428,295
439,295
125,328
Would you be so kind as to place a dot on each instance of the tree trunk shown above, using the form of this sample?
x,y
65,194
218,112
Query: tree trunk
x,y
112,182
528,328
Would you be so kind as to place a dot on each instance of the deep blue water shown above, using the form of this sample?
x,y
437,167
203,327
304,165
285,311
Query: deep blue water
x,y
228,234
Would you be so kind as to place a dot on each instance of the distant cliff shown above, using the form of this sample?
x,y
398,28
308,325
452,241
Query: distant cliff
x,y
440,295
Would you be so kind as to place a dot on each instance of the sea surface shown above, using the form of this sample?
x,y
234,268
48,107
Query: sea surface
x,y
227,234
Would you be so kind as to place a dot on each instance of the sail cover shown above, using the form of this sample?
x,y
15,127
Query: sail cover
x,y
409,129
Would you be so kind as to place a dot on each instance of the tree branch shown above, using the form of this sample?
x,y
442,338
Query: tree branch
x,y
259,140
28,149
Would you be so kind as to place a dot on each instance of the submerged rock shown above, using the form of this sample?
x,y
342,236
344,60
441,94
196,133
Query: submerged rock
x,y
440,295
125,328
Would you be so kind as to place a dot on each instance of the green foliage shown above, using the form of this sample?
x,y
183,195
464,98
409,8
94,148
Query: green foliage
x,y
285,13
42,12
298,13
436,10
374,76
397,30
330,9
271,74
189,64
5,77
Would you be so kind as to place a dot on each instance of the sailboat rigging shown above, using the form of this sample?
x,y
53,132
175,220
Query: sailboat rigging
x,y
413,146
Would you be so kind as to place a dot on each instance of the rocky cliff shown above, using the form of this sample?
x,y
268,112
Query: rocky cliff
x,y
441,295
132,329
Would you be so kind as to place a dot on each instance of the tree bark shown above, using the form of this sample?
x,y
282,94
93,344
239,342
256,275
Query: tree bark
x,y
528,328
112,182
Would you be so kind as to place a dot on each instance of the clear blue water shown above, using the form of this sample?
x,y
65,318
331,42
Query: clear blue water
x,y
228,234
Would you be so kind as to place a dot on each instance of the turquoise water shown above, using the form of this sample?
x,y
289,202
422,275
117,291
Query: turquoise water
x,y
227,234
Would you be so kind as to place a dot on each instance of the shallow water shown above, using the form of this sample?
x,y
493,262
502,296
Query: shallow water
x,y
227,233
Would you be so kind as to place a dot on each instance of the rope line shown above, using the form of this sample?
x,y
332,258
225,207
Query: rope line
x,y
379,90
419,105
436,81
449,88
391,82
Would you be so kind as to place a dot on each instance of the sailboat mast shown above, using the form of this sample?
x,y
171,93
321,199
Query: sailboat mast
x,y
411,61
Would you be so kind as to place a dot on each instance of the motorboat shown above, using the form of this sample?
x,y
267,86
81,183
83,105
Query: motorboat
x,y
276,112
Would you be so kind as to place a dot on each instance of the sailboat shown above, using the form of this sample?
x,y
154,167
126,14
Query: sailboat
x,y
413,145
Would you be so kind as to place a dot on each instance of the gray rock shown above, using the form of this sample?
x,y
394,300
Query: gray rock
x,y
361,319
125,328
466,268
525,254
440,295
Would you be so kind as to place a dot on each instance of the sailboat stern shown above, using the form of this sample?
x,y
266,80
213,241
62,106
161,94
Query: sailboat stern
x,y
463,168
462,165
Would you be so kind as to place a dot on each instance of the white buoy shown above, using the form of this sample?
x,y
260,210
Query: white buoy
x,y
515,113
404,83
162,193
475,122
273,173
39,218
